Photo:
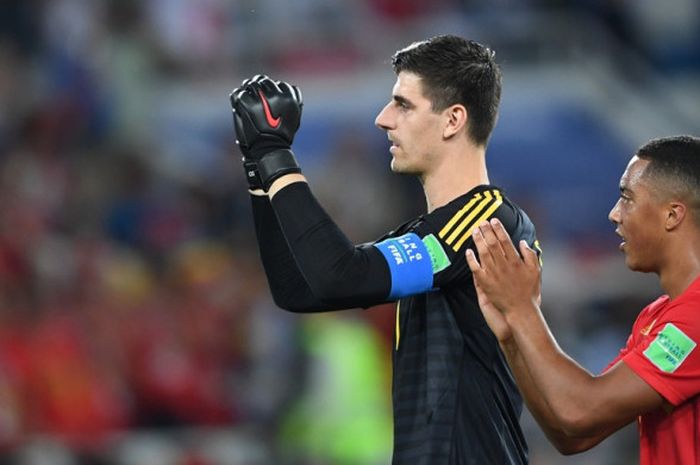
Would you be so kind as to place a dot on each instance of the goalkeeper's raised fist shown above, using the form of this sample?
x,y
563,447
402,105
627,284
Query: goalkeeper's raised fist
x,y
266,116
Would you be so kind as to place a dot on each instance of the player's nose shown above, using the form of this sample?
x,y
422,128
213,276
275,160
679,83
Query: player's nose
x,y
382,120
614,215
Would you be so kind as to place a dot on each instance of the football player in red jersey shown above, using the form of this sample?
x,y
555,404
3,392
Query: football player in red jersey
x,y
655,379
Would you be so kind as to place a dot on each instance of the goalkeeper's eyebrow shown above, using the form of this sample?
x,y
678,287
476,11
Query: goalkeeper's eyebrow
x,y
402,101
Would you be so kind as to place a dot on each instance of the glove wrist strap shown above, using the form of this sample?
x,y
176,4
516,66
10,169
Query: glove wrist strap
x,y
251,174
276,164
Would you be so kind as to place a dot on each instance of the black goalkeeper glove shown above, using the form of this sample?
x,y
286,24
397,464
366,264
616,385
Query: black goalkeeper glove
x,y
266,116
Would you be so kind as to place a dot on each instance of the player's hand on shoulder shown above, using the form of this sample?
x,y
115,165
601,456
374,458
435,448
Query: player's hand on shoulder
x,y
506,278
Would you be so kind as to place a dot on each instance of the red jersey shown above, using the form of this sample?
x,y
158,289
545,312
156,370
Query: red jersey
x,y
662,350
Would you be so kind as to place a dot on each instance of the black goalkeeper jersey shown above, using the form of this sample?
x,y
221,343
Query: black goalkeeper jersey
x,y
455,401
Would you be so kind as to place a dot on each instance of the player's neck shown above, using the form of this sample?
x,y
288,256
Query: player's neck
x,y
455,176
680,271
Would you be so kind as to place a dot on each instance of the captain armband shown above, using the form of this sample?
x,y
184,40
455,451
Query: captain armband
x,y
409,263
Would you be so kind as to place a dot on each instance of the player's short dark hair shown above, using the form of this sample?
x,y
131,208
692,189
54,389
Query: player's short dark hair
x,y
457,71
674,165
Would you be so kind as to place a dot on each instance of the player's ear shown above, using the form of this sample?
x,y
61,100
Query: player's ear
x,y
675,213
455,120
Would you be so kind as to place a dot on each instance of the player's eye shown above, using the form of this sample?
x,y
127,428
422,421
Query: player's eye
x,y
402,104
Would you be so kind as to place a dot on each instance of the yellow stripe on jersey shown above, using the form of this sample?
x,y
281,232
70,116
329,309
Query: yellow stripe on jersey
x,y
489,211
398,327
470,217
443,232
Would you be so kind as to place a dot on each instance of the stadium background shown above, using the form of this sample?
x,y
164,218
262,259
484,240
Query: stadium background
x,y
135,323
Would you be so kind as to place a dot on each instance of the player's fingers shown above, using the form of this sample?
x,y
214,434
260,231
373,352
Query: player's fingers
x,y
235,99
258,78
504,240
472,261
241,99
287,89
478,275
252,85
529,256
269,86
480,295
249,90
291,90
485,255
236,93
491,240
297,93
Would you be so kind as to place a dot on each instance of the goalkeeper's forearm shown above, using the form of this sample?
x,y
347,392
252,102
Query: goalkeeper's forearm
x,y
338,272
287,285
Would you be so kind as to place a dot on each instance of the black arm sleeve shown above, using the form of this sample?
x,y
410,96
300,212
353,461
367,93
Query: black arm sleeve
x,y
287,285
339,274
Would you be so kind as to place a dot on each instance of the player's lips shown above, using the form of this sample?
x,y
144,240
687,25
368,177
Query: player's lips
x,y
622,244
394,145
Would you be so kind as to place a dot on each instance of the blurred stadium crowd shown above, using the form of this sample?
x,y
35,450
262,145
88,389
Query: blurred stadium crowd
x,y
135,323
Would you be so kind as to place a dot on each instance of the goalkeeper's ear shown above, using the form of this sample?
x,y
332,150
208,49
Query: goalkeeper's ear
x,y
456,119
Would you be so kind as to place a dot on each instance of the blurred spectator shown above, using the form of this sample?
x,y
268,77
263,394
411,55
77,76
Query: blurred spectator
x,y
347,381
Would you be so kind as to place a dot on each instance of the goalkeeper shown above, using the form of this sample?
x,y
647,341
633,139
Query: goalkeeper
x,y
454,398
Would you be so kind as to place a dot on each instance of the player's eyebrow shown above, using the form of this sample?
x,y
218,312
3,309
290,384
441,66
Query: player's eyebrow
x,y
402,100
624,189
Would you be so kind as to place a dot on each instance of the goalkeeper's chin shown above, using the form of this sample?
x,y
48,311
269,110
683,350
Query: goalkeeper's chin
x,y
401,168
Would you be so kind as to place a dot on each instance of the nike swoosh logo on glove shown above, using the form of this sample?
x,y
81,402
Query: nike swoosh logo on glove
x,y
271,120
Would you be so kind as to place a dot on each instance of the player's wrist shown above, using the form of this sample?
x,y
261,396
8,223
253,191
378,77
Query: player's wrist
x,y
275,165
266,145
284,181
508,344
520,315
